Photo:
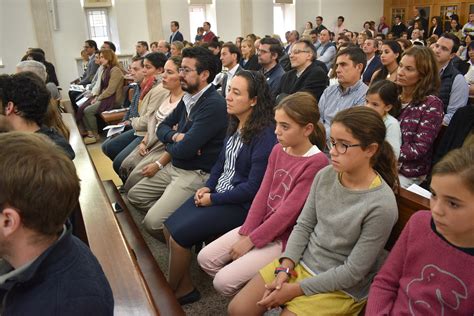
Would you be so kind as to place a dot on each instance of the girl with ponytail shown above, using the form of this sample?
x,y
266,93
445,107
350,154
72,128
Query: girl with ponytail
x,y
237,256
335,248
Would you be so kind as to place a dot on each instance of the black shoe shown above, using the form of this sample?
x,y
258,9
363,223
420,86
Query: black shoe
x,y
189,298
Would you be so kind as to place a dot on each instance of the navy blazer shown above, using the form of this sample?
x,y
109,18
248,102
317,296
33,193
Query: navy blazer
x,y
204,128
250,167
369,71
177,37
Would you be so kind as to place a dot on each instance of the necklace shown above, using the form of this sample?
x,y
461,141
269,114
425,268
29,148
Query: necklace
x,y
391,73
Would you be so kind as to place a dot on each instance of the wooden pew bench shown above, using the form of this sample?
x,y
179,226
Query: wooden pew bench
x,y
159,289
104,236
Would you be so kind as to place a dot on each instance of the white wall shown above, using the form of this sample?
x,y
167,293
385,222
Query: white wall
x,y
355,14
228,19
17,18
306,10
262,17
130,19
68,41
175,10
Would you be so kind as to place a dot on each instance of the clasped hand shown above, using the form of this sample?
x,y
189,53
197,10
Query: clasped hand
x,y
279,292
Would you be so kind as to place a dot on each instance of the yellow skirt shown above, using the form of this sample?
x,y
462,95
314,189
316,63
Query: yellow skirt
x,y
334,303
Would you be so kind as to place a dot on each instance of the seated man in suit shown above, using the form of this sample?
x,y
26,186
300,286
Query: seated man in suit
x,y
307,74
370,48
44,269
192,147
230,57
25,102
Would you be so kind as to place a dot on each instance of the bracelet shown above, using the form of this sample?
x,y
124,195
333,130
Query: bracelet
x,y
159,165
288,271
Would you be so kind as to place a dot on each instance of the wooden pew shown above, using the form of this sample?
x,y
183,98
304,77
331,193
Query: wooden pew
x,y
131,293
408,203
160,291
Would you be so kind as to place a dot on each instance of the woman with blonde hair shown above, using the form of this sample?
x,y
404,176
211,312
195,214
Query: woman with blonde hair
x,y
249,59
176,48
421,115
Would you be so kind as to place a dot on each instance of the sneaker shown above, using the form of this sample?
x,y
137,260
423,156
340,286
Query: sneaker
x,y
90,140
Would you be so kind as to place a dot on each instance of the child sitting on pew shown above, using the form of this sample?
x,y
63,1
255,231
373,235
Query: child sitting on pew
x,y
429,270
337,244
237,256
382,96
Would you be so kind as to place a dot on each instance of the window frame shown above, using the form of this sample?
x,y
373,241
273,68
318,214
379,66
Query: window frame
x,y
107,21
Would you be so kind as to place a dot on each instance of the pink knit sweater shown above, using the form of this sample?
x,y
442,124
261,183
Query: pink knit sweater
x,y
423,275
281,196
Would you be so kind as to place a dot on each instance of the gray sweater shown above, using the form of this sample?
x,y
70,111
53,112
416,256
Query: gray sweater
x,y
340,235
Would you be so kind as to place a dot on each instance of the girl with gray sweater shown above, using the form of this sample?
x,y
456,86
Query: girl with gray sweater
x,y
336,247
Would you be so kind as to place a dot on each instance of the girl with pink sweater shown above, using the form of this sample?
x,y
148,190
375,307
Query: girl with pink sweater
x,y
237,256
429,270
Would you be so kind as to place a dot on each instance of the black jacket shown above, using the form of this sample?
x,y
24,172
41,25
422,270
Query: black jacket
x,y
313,79
65,280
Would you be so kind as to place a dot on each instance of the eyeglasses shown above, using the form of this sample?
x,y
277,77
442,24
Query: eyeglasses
x,y
186,70
341,148
298,51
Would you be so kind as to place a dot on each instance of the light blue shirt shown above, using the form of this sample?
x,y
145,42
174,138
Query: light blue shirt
x,y
458,97
334,100
191,99
328,56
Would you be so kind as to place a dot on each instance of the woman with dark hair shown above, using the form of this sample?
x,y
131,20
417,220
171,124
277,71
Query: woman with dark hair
x,y
151,95
437,27
421,115
110,95
307,29
142,161
456,28
223,203
390,57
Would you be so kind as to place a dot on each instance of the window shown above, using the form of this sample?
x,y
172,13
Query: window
x,y
446,12
197,16
400,12
279,20
98,24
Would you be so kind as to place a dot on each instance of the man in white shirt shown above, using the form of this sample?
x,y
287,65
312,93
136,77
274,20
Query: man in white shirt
x,y
230,57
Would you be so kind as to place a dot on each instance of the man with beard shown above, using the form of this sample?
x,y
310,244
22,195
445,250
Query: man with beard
x,y
193,135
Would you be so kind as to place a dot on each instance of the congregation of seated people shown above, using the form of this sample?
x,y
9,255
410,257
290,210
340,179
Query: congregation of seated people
x,y
283,158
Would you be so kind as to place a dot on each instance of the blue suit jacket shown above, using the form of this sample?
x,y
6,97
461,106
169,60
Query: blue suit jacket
x,y
177,37
371,68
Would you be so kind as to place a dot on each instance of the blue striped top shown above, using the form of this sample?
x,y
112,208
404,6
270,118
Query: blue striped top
x,y
232,150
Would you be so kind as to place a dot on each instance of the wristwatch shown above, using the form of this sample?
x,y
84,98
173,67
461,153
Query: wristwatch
x,y
288,271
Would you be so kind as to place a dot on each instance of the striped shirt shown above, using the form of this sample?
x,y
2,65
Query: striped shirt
x,y
232,150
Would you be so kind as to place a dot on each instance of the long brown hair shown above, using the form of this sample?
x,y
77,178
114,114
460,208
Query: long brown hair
x,y
368,128
427,67
110,56
302,108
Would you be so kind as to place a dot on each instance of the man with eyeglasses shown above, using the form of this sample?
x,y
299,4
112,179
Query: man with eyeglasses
x,y
269,52
350,90
193,146
307,74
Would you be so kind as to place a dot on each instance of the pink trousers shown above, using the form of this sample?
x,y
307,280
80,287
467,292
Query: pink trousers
x,y
230,276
